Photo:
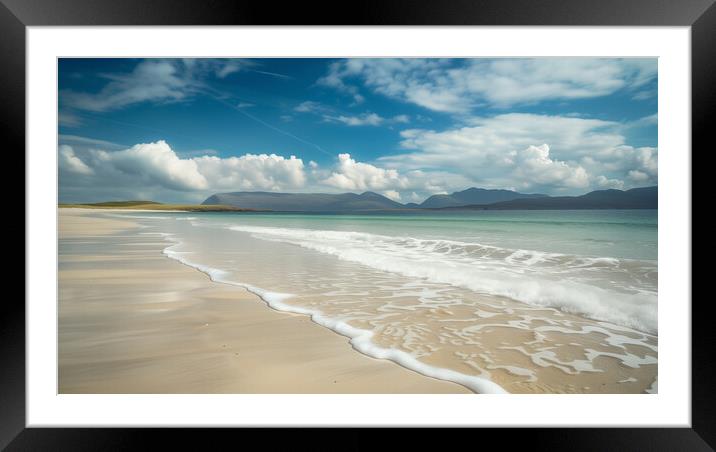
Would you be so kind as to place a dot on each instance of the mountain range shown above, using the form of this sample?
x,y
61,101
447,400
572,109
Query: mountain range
x,y
470,199
305,202
636,198
473,196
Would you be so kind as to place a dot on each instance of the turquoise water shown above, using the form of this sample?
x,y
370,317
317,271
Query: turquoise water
x,y
628,234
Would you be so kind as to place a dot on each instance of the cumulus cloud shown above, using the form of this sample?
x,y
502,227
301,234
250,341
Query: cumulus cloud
x,y
252,172
639,164
154,163
527,152
457,86
157,165
353,175
534,167
638,176
603,182
505,151
647,160
348,174
488,140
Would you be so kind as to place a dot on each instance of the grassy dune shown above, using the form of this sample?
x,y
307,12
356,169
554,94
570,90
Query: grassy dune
x,y
151,205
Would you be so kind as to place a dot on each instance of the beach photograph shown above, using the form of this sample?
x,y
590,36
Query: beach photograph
x,y
357,226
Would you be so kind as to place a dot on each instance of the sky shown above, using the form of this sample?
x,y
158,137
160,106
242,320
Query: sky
x,y
179,130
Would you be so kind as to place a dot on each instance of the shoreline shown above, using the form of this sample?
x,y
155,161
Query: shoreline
x,y
359,339
132,322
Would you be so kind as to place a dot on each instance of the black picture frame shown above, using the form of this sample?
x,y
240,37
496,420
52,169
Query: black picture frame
x,y
16,15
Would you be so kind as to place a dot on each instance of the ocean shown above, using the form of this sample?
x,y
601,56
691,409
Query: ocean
x,y
499,301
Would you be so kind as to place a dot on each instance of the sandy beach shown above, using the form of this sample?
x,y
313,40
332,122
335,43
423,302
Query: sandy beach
x,y
132,320
398,230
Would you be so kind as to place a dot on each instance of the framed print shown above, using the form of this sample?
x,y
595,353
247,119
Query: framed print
x,y
486,224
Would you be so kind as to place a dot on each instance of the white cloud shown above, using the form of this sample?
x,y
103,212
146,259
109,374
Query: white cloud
x,y
645,94
155,167
329,114
151,80
196,153
334,80
647,160
229,68
392,194
646,121
69,162
603,182
352,175
488,140
92,143
526,152
252,172
167,80
310,106
504,151
457,86
365,119
638,176
535,168
624,159
154,164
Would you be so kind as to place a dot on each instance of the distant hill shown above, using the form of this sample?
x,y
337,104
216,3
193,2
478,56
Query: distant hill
x,y
473,196
305,202
636,198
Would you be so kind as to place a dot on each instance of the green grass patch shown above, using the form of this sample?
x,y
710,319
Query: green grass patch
x,y
152,205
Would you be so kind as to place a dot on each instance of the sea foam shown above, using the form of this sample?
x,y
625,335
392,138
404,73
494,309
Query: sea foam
x,y
565,282
360,339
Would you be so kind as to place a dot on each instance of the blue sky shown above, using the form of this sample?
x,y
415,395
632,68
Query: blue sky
x,y
179,130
